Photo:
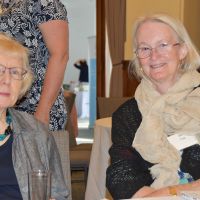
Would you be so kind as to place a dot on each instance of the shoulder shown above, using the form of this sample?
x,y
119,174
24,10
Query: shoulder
x,y
129,108
44,11
127,116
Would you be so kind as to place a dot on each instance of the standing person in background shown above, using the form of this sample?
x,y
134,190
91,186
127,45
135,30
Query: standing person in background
x,y
83,96
150,153
42,27
83,67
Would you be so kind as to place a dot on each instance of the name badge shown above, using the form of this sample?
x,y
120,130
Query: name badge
x,y
180,141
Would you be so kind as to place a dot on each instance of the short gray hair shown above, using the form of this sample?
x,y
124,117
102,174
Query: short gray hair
x,y
192,59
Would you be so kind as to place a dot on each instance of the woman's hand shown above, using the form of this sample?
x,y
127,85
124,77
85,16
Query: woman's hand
x,y
42,115
143,192
159,192
151,192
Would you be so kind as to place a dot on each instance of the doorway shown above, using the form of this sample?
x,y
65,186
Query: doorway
x,y
82,45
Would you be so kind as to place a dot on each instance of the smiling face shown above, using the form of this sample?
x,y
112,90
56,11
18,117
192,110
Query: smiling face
x,y
9,87
162,65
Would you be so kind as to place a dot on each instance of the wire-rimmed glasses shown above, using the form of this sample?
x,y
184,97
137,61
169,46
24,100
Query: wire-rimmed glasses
x,y
16,73
145,51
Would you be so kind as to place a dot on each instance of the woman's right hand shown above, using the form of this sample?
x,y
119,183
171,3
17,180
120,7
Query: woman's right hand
x,y
144,191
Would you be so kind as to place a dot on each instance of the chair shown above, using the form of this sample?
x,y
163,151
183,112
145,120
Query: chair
x,y
79,154
62,142
107,105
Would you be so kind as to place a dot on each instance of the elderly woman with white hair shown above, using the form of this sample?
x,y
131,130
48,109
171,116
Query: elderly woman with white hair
x,y
155,135
25,143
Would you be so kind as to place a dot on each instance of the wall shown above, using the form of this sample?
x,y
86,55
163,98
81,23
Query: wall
x,y
191,20
82,24
137,8
185,10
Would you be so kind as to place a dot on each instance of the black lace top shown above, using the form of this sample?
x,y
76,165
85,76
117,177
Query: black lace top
x,y
128,171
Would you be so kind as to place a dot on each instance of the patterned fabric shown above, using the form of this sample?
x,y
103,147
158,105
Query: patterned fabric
x,y
184,177
21,21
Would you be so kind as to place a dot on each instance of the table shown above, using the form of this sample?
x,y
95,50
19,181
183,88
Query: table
x,y
160,198
82,104
155,198
99,160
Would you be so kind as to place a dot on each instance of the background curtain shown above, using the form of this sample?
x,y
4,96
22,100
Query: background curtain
x,y
116,27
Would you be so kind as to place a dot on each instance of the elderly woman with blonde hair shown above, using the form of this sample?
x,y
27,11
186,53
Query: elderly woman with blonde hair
x,y
25,143
155,135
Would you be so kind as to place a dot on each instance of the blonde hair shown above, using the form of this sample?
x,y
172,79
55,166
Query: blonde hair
x,y
13,48
192,59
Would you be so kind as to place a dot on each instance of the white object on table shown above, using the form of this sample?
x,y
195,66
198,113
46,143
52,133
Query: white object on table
x,y
190,195
82,104
99,160
159,198
155,198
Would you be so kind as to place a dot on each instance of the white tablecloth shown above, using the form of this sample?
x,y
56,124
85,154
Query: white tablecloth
x,y
155,198
82,104
99,160
160,198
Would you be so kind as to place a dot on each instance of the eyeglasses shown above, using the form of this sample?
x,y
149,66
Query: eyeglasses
x,y
15,72
146,51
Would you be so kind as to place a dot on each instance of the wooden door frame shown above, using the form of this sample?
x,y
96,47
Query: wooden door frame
x,y
100,41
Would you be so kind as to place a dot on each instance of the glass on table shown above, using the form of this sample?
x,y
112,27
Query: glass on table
x,y
39,185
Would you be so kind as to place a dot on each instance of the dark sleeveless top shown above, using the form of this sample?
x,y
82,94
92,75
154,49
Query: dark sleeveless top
x,y
9,188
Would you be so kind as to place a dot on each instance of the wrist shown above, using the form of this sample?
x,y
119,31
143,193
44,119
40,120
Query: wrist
x,y
172,190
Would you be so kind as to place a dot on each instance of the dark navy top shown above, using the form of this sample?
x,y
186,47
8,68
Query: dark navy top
x,y
9,188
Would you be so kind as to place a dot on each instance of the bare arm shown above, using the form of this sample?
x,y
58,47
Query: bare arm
x,y
55,34
150,192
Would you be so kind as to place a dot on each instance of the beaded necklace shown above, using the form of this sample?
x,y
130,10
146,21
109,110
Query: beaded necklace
x,y
8,130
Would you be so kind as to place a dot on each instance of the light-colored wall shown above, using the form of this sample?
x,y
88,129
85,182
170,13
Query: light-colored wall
x,y
192,20
82,24
137,8
187,11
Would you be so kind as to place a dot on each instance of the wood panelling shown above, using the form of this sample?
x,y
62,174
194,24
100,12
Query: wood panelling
x,y
100,48
130,83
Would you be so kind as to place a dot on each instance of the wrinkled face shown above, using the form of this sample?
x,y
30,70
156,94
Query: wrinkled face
x,y
9,87
161,52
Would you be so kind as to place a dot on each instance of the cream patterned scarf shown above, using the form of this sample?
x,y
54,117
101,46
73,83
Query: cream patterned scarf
x,y
177,111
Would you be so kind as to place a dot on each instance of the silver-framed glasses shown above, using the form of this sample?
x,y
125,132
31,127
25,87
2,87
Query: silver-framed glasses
x,y
145,51
16,73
